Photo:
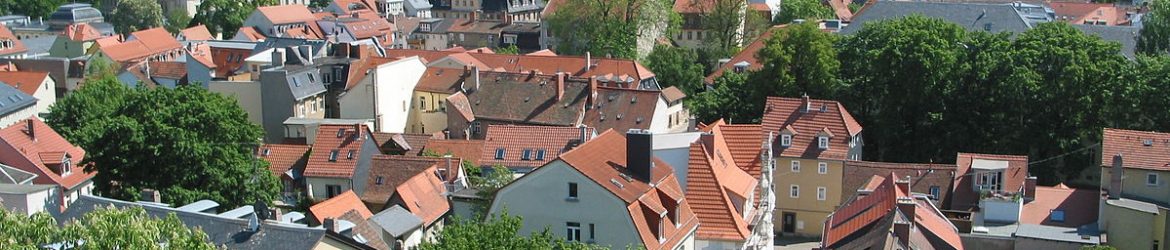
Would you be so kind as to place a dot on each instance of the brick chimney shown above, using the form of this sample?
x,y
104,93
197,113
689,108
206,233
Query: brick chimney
x,y
806,103
357,132
1115,177
708,141
592,91
560,86
1030,188
330,224
30,129
639,154
906,206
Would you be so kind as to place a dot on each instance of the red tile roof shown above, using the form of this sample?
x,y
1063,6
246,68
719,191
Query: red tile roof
x,y
81,32
339,205
858,173
251,34
197,33
693,6
790,113
26,81
1131,144
201,52
17,45
369,28
841,9
856,215
469,150
603,160
1079,206
514,140
31,150
169,70
1080,12
928,217
744,142
424,196
672,94
286,14
605,68
714,182
328,142
747,54
392,171
441,80
964,197
142,44
283,157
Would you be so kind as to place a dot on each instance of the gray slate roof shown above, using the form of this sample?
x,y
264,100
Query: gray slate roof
x,y
396,221
1064,234
1126,35
227,232
12,100
39,46
975,17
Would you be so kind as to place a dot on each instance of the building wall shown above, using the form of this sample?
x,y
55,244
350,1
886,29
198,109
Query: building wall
x,y
678,158
66,48
18,115
45,95
716,245
474,40
1030,243
995,210
810,211
197,73
317,189
396,83
548,186
659,123
247,95
429,120
71,195
980,241
1131,229
258,21
277,102
30,203
1133,184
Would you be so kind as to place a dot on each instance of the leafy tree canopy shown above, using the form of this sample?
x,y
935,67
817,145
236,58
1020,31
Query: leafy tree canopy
x,y
106,228
135,15
609,27
803,9
497,232
674,66
32,8
225,17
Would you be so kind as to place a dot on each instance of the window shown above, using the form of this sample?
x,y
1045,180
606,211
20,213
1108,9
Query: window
x,y
573,231
333,155
499,153
572,190
785,140
794,191
1056,215
332,190
526,154
422,103
796,166
822,168
822,193
312,79
540,154
349,156
379,180
66,166
823,142
592,229
988,180
1151,179
934,192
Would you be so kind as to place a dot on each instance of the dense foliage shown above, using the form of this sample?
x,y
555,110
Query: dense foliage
x,y
674,66
32,8
106,228
134,15
497,232
925,89
177,20
188,143
1155,33
609,27
803,9
225,17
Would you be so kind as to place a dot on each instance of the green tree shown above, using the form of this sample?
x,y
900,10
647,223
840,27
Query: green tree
x,y
1155,33
799,59
319,3
106,228
225,17
508,50
177,20
609,27
803,9
724,23
677,67
188,143
496,232
32,8
728,100
135,15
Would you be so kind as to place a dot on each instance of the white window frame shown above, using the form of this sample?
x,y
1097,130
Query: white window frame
x,y
1155,179
795,166
989,180
823,142
572,233
822,168
785,140
794,191
822,193
935,192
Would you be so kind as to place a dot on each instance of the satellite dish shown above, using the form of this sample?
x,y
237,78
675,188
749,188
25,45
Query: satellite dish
x,y
261,210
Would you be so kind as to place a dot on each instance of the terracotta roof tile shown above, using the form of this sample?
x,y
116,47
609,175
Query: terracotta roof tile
x,y
857,173
329,142
412,144
622,109
142,44
26,81
286,14
462,106
17,45
366,229
339,205
44,140
197,33
714,179
284,157
693,6
1131,144
744,142
859,215
841,9
202,54
424,196
441,80
542,143
469,150
747,54
387,172
543,52
1081,12
170,70
781,112
1079,205
251,34
548,65
81,32
672,94
928,218
963,195
530,99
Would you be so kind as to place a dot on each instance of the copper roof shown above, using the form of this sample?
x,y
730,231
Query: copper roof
x,y
821,115
715,182
1132,146
283,157
545,142
43,140
469,150
338,205
330,141
26,81
964,197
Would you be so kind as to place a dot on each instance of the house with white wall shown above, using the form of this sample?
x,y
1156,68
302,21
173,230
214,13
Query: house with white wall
x,y
384,94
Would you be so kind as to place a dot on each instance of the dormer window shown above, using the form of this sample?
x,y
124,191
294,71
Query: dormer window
x,y
340,133
67,165
823,142
540,154
785,140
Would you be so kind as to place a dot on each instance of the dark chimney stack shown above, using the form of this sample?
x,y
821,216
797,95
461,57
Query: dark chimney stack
x,y
1115,175
330,224
1030,188
30,129
639,154
592,91
151,195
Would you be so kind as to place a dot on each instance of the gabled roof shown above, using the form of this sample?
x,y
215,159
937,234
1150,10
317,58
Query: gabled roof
x,y
286,14
1125,35
397,221
169,70
197,33
81,32
17,46
392,171
964,197
693,6
515,140
284,157
338,205
603,160
972,16
744,144
140,44
26,81
606,69
424,195
1131,145
472,26
250,34
747,54
441,80
528,99
854,219
672,94
1078,205
364,230
714,184
413,144
330,141
469,150
841,9
14,176
622,109
1081,12
43,141
784,112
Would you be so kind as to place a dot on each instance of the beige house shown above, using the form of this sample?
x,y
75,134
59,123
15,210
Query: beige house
x,y
1135,166
428,110
36,84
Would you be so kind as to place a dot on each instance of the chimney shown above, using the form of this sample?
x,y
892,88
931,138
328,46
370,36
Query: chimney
x,y
560,86
475,74
151,195
708,141
277,215
357,132
30,129
692,124
592,91
330,224
806,103
1030,188
507,19
588,60
639,154
1115,175
583,133
902,229
474,16
277,58
903,184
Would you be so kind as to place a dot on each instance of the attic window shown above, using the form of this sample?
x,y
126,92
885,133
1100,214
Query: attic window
x,y
340,132
267,152
823,142
1057,215
499,153
349,156
333,155
785,140
526,154
379,180
1148,142
540,154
